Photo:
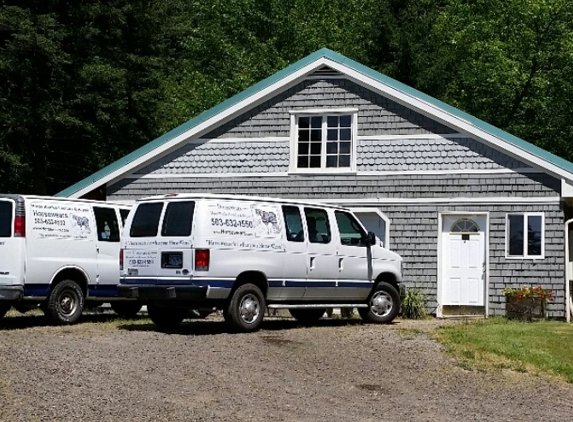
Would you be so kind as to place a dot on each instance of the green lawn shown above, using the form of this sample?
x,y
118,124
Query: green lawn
x,y
538,347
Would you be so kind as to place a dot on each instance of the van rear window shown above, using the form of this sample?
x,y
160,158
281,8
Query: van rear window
x,y
5,218
178,219
146,220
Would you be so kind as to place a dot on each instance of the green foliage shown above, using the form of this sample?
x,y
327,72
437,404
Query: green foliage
x,y
498,343
414,305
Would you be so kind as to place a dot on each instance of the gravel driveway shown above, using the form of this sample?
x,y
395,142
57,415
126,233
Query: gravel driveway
x,y
337,371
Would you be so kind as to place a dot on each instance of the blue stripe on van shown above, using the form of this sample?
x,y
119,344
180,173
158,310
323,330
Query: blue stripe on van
x,y
228,283
36,289
359,284
102,291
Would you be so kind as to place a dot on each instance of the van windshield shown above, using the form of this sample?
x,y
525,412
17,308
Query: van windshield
x,y
146,220
6,218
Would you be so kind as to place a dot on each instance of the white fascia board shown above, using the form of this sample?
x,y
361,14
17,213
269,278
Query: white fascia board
x,y
443,116
566,189
220,118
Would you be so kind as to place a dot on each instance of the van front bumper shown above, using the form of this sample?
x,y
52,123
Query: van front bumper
x,y
152,292
11,292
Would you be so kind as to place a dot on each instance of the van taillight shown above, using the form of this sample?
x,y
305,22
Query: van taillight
x,y
121,259
20,226
202,259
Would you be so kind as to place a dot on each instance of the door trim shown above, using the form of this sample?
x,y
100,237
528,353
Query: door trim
x,y
440,267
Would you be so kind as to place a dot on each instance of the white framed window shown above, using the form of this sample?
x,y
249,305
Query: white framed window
x,y
323,140
525,235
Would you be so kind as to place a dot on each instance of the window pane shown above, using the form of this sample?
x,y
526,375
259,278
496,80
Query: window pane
x,y
534,227
303,148
293,223
350,231
303,122
316,122
332,135
332,148
107,225
315,148
345,134
303,135
344,161
515,235
6,218
345,147
332,121
331,161
178,219
317,225
302,162
316,135
314,162
146,220
345,121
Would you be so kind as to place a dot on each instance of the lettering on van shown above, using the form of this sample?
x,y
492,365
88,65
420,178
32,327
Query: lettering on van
x,y
60,220
244,219
155,242
140,259
265,246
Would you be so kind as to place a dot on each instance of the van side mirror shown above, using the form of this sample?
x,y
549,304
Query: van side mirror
x,y
370,239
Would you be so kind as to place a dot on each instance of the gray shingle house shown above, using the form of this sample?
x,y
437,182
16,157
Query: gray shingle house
x,y
471,208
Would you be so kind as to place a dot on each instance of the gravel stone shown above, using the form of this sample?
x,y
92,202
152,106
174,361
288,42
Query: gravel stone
x,y
338,370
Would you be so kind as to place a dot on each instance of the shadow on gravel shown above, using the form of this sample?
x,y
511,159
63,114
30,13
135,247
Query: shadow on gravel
x,y
210,327
22,322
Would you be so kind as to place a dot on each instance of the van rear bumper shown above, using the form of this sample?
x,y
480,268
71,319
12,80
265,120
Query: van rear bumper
x,y
11,292
146,291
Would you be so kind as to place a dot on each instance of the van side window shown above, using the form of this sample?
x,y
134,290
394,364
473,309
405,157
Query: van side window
x,y
123,213
107,225
5,218
293,223
178,219
351,233
318,226
146,220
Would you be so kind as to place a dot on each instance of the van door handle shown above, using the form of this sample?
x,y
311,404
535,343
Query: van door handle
x,y
312,258
340,266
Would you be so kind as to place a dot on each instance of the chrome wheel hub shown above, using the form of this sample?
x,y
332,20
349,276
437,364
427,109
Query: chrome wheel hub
x,y
249,308
381,304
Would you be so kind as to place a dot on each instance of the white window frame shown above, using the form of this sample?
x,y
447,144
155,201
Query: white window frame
x,y
525,216
295,114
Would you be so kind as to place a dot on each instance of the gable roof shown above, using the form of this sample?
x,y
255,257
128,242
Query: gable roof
x,y
284,79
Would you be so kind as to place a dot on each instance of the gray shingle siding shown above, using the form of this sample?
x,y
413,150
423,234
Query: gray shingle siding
x,y
377,115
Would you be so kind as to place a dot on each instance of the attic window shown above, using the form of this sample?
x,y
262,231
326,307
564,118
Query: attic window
x,y
324,142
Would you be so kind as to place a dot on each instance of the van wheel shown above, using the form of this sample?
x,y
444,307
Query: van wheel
x,y
65,303
127,309
383,304
166,317
4,308
246,309
307,316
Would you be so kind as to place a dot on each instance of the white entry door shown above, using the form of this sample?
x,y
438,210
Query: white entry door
x,y
463,260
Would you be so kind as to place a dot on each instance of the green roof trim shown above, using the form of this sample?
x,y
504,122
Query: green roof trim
x,y
336,57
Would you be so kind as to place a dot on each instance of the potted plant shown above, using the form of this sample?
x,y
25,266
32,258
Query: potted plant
x,y
526,303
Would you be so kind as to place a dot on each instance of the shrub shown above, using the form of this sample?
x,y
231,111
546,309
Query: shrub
x,y
414,305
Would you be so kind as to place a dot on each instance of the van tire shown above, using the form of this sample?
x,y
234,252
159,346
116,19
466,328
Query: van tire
x,y
383,304
307,316
65,303
166,317
246,309
4,308
127,309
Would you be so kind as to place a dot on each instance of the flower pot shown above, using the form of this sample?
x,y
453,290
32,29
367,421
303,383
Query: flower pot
x,y
525,308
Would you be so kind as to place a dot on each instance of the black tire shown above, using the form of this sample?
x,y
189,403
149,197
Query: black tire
x,y
383,304
307,316
166,317
65,303
4,308
246,309
126,309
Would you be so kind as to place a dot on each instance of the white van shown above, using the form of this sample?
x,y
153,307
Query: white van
x,y
245,254
60,254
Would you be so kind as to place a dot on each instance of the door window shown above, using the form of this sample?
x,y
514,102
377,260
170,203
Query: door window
x,y
293,223
317,225
5,218
107,225
351,233
146,220
178,219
